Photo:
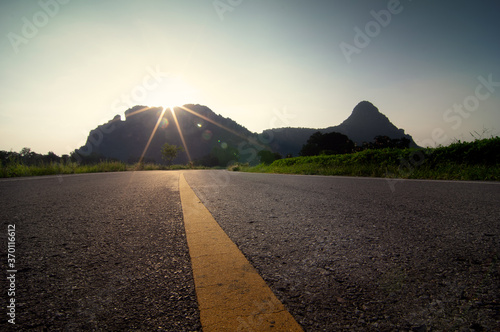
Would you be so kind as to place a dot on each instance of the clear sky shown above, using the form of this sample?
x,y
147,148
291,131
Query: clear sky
x,y
66,66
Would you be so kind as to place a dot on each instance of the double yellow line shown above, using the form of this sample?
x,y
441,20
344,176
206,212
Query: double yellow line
x,y
231,294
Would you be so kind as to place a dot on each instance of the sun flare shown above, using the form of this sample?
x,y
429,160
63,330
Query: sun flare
x,y
172,91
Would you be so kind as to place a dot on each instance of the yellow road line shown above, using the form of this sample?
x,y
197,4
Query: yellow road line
x,y
231,294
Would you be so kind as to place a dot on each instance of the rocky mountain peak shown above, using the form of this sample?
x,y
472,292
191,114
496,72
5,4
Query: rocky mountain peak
x,y
365,107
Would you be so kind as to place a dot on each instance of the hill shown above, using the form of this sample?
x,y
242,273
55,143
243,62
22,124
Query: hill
x,y
212,139
364,123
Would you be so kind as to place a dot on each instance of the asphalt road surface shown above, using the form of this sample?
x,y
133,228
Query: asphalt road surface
x,y
366,254
99,252
109,252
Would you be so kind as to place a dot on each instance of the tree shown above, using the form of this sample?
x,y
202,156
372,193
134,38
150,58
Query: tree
x,y
267,157
169,152
312,147
382,142
25,152
27,156
51,157
225,155
330,143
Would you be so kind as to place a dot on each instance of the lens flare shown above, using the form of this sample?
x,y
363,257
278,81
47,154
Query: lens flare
x,y
164,123
248,139
207,135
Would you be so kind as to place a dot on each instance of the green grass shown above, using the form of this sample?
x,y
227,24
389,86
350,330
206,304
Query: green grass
x,y
479,160
17,169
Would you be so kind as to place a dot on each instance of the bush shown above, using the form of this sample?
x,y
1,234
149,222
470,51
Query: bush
x,y
478,160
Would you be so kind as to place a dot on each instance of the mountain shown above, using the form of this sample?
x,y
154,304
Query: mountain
x,y
364,123
212,139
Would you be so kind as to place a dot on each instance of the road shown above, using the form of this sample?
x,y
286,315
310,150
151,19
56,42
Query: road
x,y
109,251
99,252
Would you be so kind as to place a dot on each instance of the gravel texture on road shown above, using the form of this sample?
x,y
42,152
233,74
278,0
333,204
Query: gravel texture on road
x,y
100,252
351,254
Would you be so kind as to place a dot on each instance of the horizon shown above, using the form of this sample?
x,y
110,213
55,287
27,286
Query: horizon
x,y
68,67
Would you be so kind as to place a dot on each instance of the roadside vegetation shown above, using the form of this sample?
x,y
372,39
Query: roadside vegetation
x,y
55,168
477,160
29,163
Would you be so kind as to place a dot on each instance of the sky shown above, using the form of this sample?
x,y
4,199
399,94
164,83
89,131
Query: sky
x,y
66,66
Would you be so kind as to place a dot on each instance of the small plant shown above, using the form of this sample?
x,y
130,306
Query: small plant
x,y
237,167
139,166
169,152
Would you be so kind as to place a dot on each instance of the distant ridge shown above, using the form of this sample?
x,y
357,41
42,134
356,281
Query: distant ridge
x,y
363,125
212,144
127,140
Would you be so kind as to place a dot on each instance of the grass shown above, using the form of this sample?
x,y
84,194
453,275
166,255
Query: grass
x,y
479,160
18,169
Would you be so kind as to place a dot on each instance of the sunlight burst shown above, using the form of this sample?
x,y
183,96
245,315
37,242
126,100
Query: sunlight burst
x,y
152,135
173,91
180,134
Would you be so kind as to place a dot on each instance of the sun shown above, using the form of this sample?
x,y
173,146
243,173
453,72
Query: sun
x,y
172,91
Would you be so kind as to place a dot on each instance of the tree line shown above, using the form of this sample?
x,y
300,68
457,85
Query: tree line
x,y
337,143
317,144
30,158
